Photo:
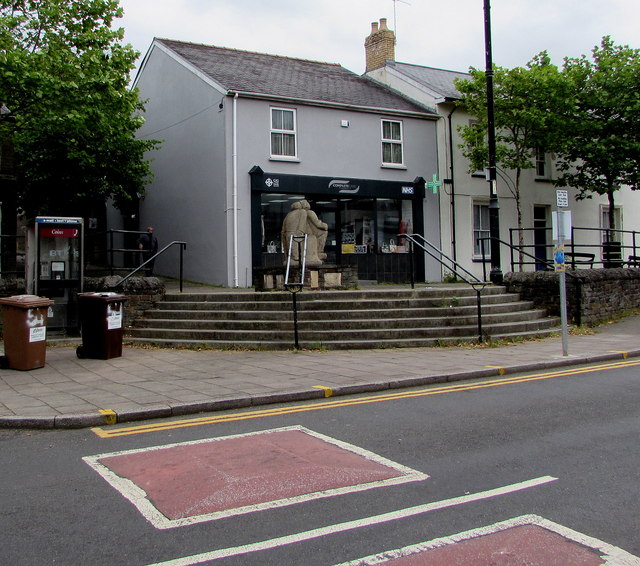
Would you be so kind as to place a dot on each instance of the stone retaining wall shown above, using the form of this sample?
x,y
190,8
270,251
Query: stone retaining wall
x,y
142,292
593,295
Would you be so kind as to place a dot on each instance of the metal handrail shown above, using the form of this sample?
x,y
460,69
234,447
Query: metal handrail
x,y
453,266
575,247
301,244
183,247
295,287
112,249
513,247
550,264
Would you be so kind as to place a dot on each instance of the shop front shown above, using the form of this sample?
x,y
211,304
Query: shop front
x,y
366,219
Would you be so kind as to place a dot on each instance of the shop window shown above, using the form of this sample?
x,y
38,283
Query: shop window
x,y
392,153
394,219
364,226
283,133
357,231
375,225
274,208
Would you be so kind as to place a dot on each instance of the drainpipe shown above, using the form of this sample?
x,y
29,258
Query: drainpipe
x,y
235,190
454,244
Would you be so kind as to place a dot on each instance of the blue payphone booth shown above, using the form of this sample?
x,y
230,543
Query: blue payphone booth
x,y
58,267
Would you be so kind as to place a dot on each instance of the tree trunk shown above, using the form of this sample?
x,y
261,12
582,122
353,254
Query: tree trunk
x,y
519,220
612,214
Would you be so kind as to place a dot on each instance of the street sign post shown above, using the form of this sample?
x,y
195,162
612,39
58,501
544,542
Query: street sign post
x,y
562,232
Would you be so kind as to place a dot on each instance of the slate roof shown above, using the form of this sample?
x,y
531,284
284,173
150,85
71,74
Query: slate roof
x,y
284,77
438,80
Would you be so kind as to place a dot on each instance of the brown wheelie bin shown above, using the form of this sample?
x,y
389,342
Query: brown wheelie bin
x,y
25,331
101,321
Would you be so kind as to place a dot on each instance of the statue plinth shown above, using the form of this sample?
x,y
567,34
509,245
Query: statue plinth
x,y
321,278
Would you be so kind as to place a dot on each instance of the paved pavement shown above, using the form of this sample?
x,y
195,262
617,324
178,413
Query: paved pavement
x,y
152,383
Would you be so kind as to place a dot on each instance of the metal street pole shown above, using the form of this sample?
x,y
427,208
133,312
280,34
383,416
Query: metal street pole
x,y
494,209
562,232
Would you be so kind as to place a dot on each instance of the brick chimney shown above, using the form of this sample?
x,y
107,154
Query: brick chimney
x,y
380,46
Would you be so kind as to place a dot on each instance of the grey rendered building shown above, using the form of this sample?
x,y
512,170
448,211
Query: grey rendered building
x,y
244,135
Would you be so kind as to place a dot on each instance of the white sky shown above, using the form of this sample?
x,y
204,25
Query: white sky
x,y
447,35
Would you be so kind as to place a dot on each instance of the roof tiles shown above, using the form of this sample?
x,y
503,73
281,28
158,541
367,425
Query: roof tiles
x,y
285,77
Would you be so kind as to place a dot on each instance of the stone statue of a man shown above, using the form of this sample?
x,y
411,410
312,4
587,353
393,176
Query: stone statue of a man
x,y
299,221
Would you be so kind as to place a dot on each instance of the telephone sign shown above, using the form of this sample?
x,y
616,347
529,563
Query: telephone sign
x,y
59,232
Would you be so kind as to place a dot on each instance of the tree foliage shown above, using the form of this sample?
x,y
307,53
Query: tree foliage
x,y
523,124
587,114
63,75
601,149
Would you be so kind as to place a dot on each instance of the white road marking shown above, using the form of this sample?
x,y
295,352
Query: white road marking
x,y
351,525
611,555
138,497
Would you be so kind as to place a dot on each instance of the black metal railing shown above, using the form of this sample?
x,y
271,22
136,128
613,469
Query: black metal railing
x,y
549,265
291,283
452,265
182,246
614,248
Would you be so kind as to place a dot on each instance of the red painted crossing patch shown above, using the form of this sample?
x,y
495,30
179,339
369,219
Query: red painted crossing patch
x,y
528,545
205,480
529,540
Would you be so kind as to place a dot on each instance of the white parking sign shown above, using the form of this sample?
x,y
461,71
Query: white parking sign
x,y
562,198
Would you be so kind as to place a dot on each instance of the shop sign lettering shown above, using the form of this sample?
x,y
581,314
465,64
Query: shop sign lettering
x,y
343,186
59,232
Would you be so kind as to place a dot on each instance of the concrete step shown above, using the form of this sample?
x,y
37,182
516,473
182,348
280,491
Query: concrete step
x,y
338,319
366,343
340,333
438,291
309,314
336,324
338,303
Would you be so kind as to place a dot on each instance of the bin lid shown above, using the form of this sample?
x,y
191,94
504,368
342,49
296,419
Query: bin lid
x,y
26,301
105,296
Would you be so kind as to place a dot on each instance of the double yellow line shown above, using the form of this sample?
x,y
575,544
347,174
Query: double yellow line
x,y
336,403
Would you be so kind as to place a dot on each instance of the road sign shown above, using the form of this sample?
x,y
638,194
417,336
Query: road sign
x,y
559,258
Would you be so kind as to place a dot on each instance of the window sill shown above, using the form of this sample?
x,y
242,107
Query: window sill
x,y
284,158
543,180
394,166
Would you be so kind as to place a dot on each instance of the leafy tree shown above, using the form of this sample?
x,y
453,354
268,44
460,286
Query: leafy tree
x,y
63,76
523,124
601,149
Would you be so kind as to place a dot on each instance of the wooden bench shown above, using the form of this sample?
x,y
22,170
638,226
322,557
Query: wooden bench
x,y
572,259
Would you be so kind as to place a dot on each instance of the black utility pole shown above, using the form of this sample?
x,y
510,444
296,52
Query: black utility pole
x,y
494,218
